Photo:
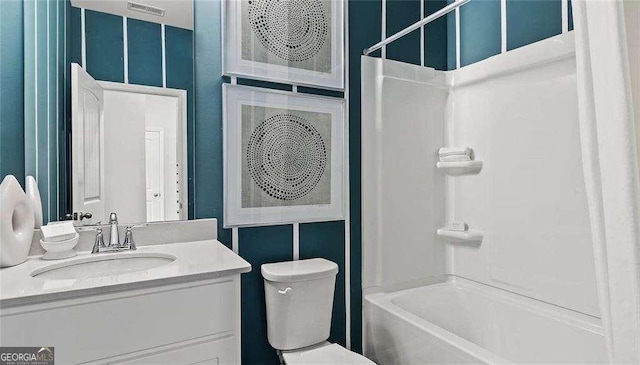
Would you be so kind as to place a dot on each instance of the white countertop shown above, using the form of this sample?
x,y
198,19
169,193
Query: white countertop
x,y
196,260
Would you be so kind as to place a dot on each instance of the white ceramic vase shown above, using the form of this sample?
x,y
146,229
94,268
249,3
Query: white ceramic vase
x,y
33,193
16,223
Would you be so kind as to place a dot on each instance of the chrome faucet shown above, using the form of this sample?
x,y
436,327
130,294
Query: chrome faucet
x,y
114,238
128,244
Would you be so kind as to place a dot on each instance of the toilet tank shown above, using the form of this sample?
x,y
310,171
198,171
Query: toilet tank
x,y
299,300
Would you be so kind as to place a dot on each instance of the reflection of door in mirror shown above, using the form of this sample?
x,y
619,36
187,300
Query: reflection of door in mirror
x,y
87,102
144,156
154,140
144,162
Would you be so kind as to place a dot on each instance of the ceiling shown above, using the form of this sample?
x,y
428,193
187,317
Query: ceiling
x,y
178,13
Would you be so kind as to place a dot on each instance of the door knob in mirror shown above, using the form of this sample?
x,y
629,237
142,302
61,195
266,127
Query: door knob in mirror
x,y
80,216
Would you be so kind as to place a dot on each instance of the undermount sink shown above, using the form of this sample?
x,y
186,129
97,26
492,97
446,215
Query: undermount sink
x,y
103,265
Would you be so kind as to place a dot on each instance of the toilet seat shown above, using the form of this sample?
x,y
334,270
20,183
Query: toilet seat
x,y
326,353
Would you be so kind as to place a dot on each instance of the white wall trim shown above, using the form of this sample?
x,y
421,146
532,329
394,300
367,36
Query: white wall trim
x,y
565,15
422,48
84,38
35,78
143,89
503,26
296,241
235,241
125,46
48,202
164,55
457,16
347,190
383,35
64,32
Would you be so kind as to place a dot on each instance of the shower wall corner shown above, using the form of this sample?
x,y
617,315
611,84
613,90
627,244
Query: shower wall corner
x,y
403,121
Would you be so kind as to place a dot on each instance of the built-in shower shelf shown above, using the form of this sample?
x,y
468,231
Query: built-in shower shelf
x,y
460,167
472,235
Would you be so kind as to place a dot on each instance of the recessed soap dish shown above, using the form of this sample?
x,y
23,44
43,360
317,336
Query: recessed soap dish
x,y
472,235
460,167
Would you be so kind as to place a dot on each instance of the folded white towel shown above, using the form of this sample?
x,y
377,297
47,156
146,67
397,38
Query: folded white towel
x,y
58,231
459,226
454,158
448,154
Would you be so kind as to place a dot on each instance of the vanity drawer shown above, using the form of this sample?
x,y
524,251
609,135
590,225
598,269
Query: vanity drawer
x,y
103,326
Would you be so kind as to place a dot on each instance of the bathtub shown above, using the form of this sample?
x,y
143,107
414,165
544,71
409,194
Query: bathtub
x,y
461,321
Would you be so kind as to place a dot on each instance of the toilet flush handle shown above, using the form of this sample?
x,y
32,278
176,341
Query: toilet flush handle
x,y
285,291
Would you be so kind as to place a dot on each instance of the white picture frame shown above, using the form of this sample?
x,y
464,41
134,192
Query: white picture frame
x,y
246,51
246,112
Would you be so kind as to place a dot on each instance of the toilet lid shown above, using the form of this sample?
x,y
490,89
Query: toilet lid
x,y
330,354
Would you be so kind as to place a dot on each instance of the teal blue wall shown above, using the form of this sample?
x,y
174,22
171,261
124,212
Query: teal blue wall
x,y
104,46
11,92
260,245
145,52
532,21
479,19
105,61
44,97
528,21
403,13
365,29
326,240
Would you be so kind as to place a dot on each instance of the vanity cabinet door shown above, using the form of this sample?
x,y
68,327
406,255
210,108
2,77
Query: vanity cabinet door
x,y
213,352
104,328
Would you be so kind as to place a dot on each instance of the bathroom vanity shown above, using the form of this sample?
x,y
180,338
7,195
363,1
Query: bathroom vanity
x,y
173,302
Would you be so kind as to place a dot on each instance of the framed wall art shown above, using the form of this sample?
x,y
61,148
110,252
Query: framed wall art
x,y
284,157
292,41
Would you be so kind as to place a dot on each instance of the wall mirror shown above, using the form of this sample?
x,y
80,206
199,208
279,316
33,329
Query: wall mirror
x,y
128,150
107,100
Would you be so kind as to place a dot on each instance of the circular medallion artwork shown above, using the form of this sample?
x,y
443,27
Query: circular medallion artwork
x,y
294,30
286,156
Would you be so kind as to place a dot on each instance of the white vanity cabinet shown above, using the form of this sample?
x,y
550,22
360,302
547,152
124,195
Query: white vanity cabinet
x,y
188,323
115,308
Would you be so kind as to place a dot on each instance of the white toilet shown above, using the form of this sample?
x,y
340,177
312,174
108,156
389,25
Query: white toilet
x,y
299,299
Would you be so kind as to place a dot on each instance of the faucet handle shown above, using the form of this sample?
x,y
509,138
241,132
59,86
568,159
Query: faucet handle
x,y
128,239
99,243
128,236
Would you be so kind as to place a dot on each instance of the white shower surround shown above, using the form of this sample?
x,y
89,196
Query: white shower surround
x,y
610,158
519,111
